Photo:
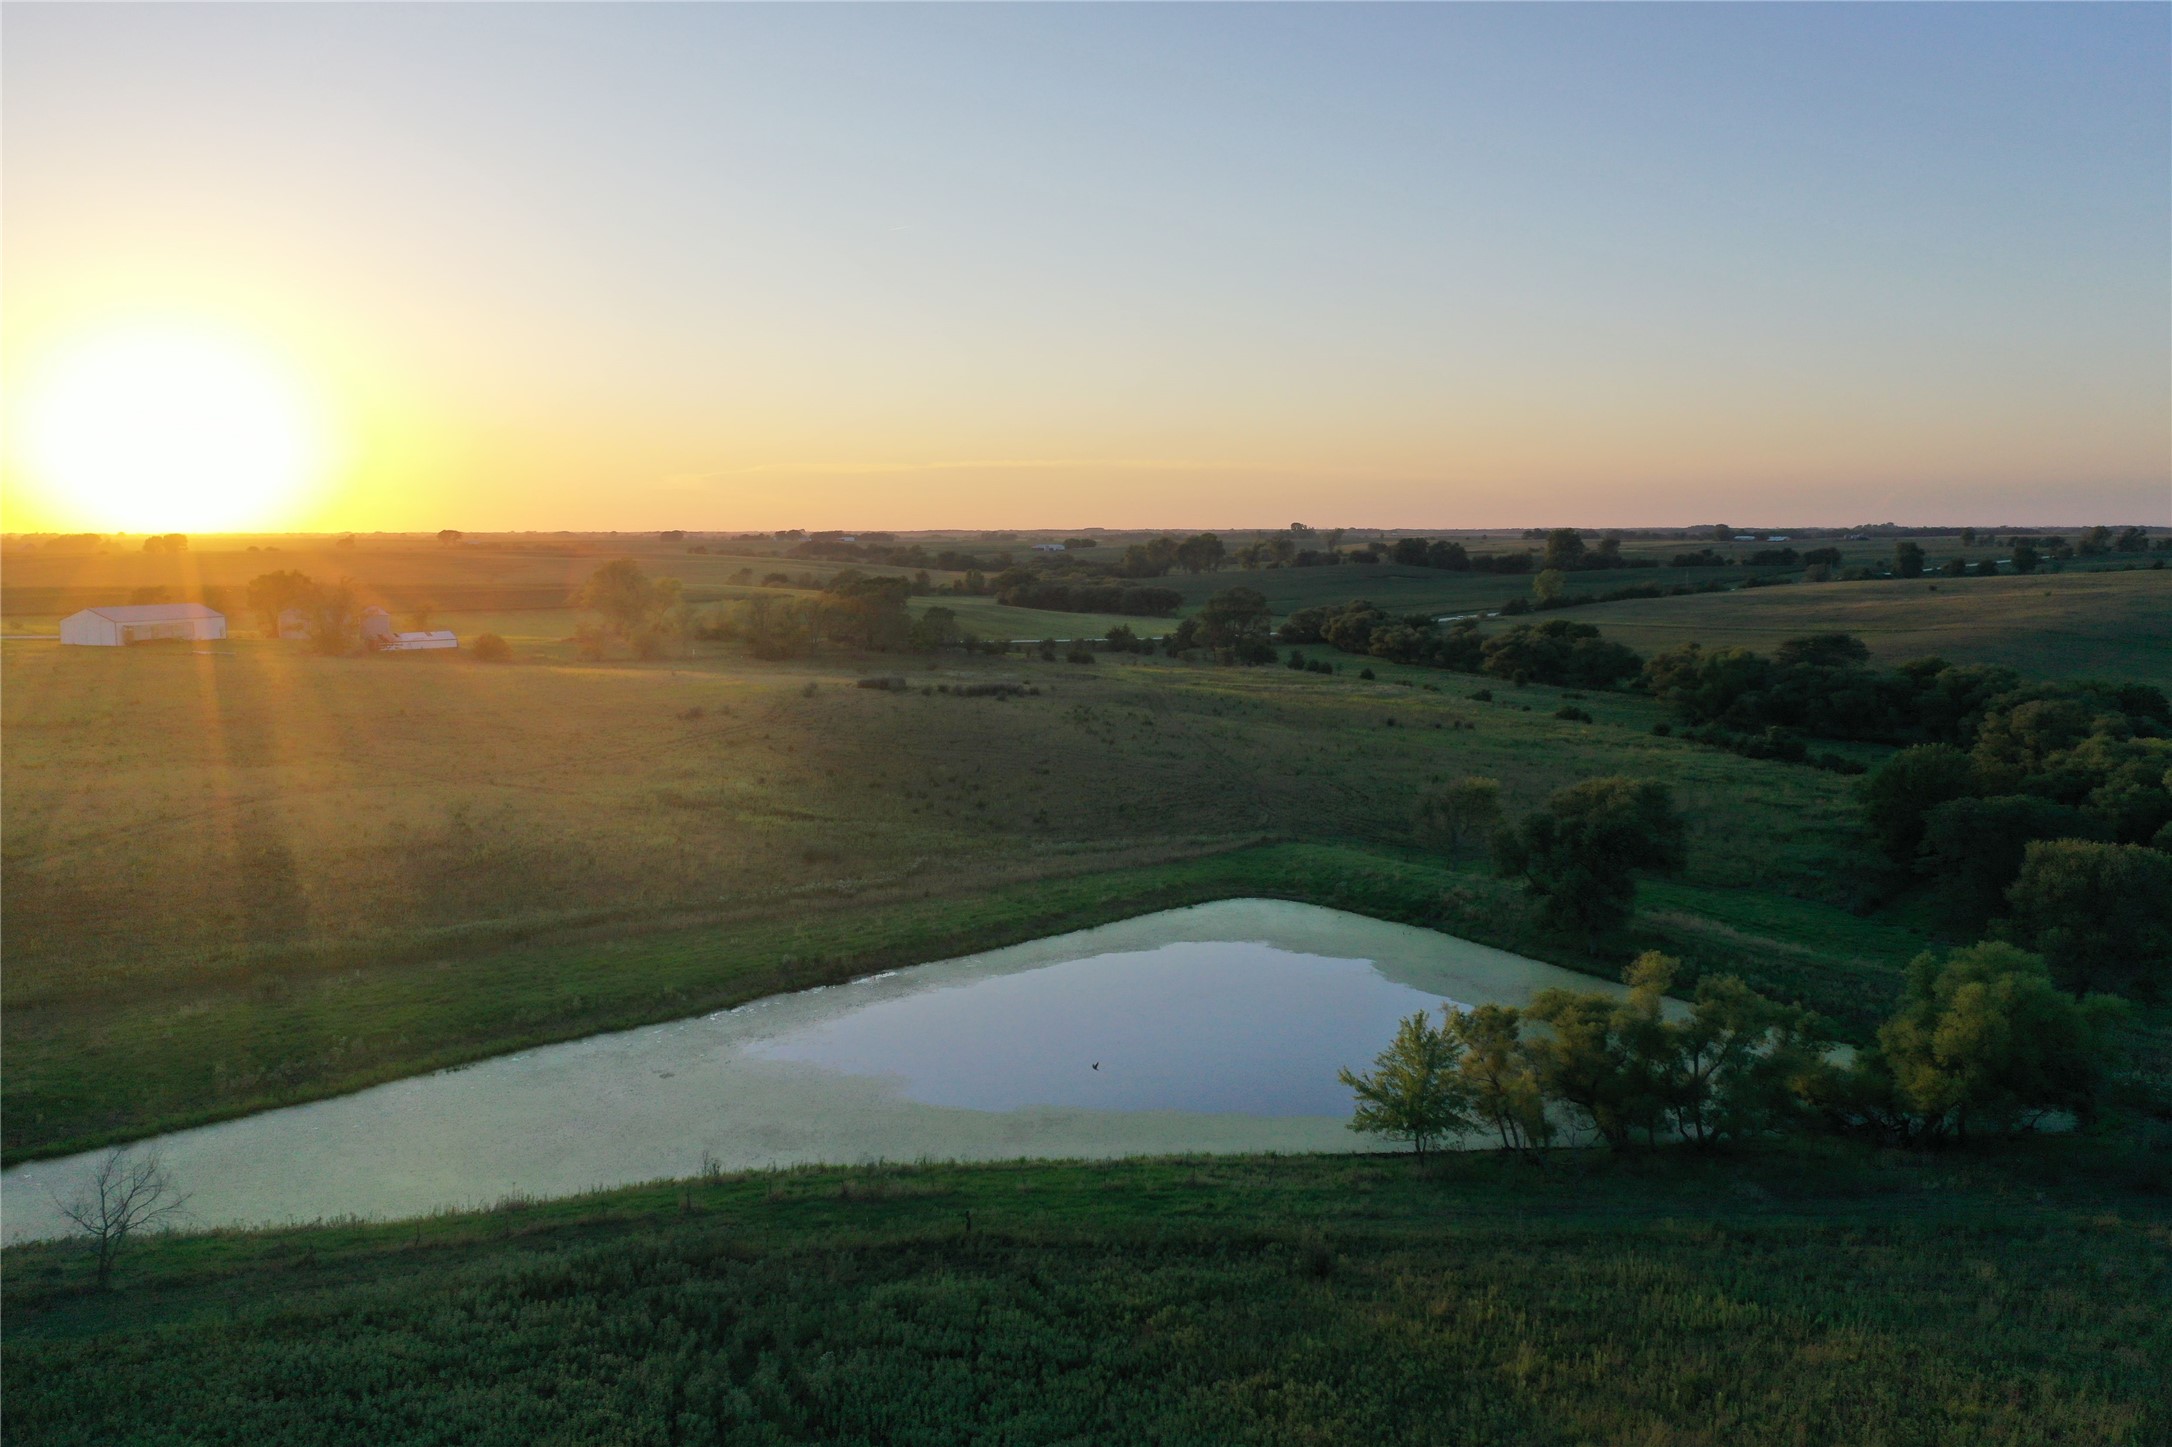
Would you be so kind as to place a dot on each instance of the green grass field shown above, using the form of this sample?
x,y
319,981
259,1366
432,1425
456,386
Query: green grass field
x,y
1813,1295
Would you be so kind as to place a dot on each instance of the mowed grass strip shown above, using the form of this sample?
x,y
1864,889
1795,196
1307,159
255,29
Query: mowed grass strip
x,y
1812,1295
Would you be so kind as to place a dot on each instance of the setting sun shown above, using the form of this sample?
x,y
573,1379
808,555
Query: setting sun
x,y
152,429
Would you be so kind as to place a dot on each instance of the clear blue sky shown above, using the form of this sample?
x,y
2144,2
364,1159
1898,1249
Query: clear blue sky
x,y
715,266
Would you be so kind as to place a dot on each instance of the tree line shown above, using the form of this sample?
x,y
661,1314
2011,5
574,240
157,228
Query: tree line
x,y
1982,1042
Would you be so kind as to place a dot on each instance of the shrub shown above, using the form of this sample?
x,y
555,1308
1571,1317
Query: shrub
x,y
490,648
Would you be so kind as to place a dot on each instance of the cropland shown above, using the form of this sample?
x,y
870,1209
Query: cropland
x,y
1843,1297
247,874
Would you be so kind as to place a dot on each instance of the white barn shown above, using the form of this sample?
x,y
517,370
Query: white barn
x,y
141,623
409,642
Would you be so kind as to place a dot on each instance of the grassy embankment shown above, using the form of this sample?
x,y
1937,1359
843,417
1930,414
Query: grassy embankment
x,y
1822,1294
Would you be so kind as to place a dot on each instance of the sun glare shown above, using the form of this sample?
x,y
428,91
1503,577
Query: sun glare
x,y
152,430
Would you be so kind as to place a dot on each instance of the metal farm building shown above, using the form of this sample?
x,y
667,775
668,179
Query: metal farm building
x,y
142,623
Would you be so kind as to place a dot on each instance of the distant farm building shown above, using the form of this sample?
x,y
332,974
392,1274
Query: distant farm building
x,y
408,642
142,623
293,623
376,627
1049,548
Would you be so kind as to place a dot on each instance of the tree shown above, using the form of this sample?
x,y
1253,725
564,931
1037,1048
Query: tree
x,y
128,1194
1598,1057
449,536
1735,1066
335,618
490,648
1200,554
1905,788
2026,558
271,594
1497,1071
2100,914
1469,808
1983,1040
1907,559
1564,550
621,591
933,629
1582,852
1973,848
1415,1092
1236,622
1548,586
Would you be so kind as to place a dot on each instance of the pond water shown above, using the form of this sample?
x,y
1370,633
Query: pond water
x,y
1215,1028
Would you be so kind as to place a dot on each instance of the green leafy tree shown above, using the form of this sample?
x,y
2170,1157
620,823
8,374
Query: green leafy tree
x,y
1415,1091
1736,1065
1983,1041
622,592
1549,585
1582,853
1499,1075
1905,788
2100,914
1973,848
935,628
1202,553
1907,559
1449,817
1236,622
1601,1057
1564,550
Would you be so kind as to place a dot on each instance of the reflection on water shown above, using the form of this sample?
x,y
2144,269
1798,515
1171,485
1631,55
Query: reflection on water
x,y
1228,1026
1217,1028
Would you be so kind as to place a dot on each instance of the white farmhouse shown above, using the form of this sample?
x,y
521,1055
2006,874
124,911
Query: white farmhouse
x,y
141,623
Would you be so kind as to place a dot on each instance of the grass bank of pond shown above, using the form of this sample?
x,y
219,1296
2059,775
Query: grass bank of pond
x,y
1819,1293
126,1064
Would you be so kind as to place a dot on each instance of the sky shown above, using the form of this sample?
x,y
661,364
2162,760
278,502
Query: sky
x,y
753,267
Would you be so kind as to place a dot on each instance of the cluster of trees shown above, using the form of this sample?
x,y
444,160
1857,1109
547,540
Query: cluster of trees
x,y
166,543
333,611
1234,624
1021,588
1582,853
1554,652
2053,837
1982,1042
909,555
1823,685
646,616
854,610
1200,553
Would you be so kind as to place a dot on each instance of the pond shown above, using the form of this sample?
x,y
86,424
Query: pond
x,y
1214,1028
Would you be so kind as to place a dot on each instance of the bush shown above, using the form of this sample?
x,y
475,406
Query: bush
x,y
490,648
1570,713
